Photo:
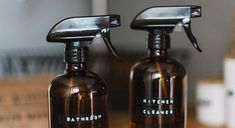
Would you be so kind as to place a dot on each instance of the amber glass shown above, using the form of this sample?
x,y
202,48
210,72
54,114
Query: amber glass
x,y
157,92
77,99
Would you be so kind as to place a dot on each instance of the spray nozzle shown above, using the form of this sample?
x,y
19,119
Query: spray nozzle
x,y
166,19
83,29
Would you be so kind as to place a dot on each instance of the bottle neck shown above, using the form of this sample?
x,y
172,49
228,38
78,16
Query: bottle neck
x,y
158,43
76,57
157,53
75,67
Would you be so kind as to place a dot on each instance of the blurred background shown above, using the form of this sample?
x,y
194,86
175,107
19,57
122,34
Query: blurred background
x,y
26,58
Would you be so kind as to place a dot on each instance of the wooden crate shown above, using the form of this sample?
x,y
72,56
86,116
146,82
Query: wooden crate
x,y
23,102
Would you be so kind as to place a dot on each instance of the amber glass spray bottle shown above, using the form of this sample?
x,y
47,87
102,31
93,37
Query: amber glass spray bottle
x,y
78,97
157,83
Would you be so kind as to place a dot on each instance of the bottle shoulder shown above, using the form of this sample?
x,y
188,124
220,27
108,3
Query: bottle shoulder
x,y
162,65
84,81
85,75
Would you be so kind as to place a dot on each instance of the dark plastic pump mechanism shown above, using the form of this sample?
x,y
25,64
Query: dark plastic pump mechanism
x,y
84,30
166,19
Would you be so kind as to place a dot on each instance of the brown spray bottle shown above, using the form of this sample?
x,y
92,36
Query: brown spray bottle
x,y
157,83
78,97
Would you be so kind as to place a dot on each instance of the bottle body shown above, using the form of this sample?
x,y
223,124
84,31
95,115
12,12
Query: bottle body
x,y
157,94
78,100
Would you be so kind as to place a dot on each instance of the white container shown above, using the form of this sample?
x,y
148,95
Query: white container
x,y
210,96
229,79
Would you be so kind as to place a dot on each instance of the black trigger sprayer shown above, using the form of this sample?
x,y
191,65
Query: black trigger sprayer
x,y
84,30
161,21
